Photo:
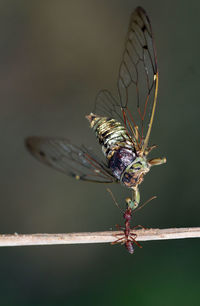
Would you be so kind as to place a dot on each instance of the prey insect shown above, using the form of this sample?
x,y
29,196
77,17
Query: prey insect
x,y
123,128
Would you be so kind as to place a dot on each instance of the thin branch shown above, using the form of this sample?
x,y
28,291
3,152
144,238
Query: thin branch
x,y
97,237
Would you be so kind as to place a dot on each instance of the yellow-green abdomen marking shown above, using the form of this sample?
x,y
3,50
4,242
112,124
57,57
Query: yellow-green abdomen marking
x,y
111,134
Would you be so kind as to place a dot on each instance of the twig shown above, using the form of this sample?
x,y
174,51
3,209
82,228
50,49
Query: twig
x,y
97,237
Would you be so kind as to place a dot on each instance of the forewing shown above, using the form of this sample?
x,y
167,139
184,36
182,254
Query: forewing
x,y
138,78
72,160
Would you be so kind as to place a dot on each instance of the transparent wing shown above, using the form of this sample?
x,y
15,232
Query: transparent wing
x,y
137,83
138,78
107,105
74,161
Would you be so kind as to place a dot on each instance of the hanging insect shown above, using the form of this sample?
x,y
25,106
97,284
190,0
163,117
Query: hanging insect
x,y
122,128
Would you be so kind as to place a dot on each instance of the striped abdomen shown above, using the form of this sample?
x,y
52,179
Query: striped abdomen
x,y
111,134
116,144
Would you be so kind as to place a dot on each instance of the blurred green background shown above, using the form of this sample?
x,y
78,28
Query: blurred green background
x,y
54,58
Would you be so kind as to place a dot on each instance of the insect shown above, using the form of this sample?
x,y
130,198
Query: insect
x,y
128,238
123,128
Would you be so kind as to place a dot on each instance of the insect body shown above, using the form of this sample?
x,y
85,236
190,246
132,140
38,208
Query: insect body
x,y
123,160
128,165
128,239
122,125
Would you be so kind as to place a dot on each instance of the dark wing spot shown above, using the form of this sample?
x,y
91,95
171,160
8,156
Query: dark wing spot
x,y
143,28
42,154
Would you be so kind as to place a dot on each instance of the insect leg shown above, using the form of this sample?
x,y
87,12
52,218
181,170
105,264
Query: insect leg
x,y
135,197
138,226
148,150
136,242
119,227
120,240
157,161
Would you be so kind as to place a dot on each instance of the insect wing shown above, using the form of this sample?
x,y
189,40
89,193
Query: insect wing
x,y
138,78
72,160
107,105
137,83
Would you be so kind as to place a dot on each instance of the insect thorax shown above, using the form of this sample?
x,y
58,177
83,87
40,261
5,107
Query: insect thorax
x,y
118,148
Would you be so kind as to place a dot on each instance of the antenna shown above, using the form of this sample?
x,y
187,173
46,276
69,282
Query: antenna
x,y
145,203
113,197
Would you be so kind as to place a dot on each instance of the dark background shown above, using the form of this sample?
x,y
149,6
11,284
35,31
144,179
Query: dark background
x,y
54,58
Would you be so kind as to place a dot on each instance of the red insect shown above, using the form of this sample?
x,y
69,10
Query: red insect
x,y
128,239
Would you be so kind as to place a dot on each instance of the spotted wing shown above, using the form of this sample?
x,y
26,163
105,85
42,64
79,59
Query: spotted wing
x,y
74,161
137,82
